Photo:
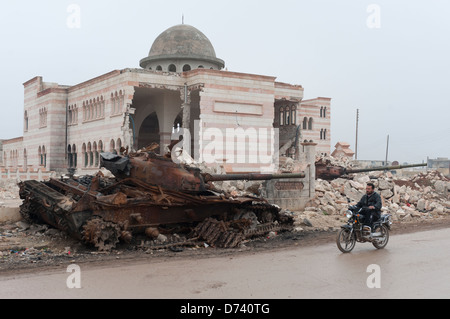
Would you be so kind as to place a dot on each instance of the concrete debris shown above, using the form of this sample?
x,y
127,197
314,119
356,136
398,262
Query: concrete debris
x,y
8,189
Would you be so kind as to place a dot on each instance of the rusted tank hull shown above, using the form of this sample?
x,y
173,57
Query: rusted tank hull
x,y
103,216
147,192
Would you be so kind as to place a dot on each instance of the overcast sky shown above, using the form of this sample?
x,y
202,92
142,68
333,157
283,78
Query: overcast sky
x,y
389,59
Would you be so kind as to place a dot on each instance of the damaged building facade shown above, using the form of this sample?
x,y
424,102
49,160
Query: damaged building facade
x,y
235,120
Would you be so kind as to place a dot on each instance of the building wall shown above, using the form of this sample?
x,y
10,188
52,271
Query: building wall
x,y
320,120
239,109
98,118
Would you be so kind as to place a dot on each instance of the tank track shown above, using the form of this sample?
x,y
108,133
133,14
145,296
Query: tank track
x,y
103,235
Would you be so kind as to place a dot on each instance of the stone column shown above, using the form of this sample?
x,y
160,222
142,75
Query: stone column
x,y
309,149
165,140
186,106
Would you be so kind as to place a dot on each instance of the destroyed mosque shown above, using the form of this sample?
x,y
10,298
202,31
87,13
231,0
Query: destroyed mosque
x,y
235,120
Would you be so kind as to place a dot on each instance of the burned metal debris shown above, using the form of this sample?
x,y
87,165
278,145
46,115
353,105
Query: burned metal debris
x,y
150,194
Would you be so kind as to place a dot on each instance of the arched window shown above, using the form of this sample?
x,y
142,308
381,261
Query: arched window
x,y
287,114
159,68
186,68
281,116
96,157
69,156
25,159
172,68
102,107
39,156
321,132
325,112
91,109
70,119
74,155
119,145
321,111
44,157
99,108
293,115
88,111
26,121
305,123
325,134
90,155
84,112
310,124
85,155
201,67
112,147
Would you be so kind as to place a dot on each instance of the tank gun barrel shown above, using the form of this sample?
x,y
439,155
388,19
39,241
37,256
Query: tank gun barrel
x,y
382,168
250,177
329,173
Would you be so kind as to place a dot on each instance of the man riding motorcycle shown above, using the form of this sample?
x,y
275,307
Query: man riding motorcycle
x,y
371,204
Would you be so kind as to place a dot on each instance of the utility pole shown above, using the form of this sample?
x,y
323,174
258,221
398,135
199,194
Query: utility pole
x,y
357,125
387,151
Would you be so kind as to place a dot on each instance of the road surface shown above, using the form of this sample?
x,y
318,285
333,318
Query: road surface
x,y
414,265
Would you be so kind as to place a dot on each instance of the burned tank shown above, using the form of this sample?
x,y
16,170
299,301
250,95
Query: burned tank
x,y
150,194
328,172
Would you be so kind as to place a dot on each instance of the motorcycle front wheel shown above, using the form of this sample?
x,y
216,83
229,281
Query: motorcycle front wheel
x,y
346,240
382,238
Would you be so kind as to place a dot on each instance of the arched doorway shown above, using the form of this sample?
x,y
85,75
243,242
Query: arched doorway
x,y
149,131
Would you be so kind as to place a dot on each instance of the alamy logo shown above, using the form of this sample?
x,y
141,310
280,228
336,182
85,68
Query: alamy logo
x,y
74,280
374,280
251,145
374,19
74,18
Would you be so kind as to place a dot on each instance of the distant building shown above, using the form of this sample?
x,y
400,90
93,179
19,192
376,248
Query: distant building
x,y
440,164
342,149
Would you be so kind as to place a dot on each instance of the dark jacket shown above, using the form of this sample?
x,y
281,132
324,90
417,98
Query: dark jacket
x,y
372,200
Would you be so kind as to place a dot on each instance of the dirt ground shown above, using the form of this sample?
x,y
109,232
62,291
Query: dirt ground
x,y
28,248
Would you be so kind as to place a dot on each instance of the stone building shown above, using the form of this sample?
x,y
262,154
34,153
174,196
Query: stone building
x,y
232,118
440,164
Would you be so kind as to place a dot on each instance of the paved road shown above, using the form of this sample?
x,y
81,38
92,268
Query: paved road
x,y
413,265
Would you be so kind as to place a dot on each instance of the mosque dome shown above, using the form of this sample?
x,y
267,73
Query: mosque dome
x,y
181,48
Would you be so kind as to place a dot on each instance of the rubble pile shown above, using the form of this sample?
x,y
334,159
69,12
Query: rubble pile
x,y
422,196
345,162
8,189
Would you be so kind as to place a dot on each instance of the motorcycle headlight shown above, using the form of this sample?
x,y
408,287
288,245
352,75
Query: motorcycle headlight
x,y
349,214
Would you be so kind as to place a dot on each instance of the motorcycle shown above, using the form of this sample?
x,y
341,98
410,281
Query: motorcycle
x,y
355,231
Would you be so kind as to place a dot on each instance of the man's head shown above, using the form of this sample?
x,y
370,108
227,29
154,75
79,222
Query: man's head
x,y
370,188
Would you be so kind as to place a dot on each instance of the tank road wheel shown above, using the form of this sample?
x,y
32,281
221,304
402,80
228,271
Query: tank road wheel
x,y
103,235
30,210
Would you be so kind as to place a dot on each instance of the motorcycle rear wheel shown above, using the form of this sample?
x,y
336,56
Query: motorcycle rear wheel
x,y
381,241
346,240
